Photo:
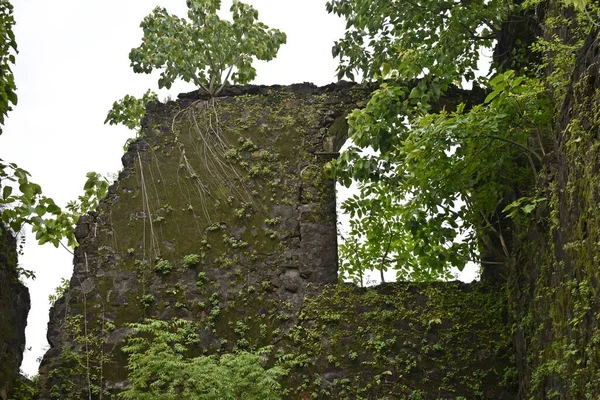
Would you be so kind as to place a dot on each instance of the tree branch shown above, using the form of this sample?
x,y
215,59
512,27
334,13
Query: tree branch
x,y
527,149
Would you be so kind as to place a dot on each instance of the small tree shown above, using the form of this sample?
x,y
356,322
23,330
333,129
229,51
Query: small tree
x,y
205,49
210,52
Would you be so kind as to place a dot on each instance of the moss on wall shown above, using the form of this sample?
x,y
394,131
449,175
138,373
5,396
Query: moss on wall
x,y
555,284
222,215
234,186
14,301
403,341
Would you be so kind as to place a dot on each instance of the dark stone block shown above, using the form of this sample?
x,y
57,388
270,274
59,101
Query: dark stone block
x,y
14,307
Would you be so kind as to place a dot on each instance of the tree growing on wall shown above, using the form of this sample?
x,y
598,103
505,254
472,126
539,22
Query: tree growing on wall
x,y
211,53
205,49
448,161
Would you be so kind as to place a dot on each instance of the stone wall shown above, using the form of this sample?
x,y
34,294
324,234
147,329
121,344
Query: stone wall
x,y
427,341
555,283
14,298
217,199
222,215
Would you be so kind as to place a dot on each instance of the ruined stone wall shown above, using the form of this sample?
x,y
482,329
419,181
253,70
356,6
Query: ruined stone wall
x,y
217,200
14,301
428,341
222,215
555,283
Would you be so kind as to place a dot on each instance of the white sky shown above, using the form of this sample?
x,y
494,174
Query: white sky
x,y
73,63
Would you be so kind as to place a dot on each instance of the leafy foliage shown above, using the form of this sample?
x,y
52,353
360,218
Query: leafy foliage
x,y
8,49
163,267
21,200
130,110
204,49
159,369
26,388
59,291
29,197
52,230
577,4
432,189
25,204
190,260
408,39
94,190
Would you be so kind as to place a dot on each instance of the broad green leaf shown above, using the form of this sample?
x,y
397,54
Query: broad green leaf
x,y
491,96
40,210
6,192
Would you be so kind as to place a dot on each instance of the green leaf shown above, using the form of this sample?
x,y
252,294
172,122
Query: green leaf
x,y
414,93
53,209
385,70
12,97
495,81
577,4
40,210
6,192
491,96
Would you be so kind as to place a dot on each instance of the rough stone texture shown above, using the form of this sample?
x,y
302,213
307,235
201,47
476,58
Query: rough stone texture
x,y
240,184
555,283
14,301
444,340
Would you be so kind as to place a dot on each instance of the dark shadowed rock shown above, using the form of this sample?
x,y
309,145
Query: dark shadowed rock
x,y
14,307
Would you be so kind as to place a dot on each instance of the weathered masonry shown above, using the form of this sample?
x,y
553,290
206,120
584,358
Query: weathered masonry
x,y
222,215
14,307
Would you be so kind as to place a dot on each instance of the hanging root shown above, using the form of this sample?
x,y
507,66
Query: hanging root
x,y
209,145
154,246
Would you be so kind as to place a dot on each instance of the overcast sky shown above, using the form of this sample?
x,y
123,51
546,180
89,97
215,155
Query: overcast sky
x,y
72,64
